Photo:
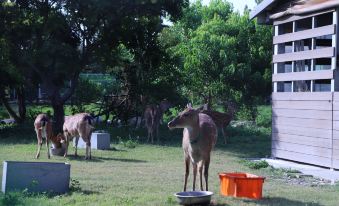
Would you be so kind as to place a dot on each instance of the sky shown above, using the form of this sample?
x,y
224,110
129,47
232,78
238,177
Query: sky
x,y
238,5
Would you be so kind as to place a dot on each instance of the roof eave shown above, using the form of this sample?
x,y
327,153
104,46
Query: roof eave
x,y
261,8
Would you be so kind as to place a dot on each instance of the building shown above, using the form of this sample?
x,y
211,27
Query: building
x,y
305,97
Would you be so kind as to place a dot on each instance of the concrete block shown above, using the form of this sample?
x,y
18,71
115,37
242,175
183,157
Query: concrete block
x,y
98,141
36,176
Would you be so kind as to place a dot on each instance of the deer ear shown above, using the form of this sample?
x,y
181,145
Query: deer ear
x,y
189,105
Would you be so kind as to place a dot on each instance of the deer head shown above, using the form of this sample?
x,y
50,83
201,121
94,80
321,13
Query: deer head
x,y
187,118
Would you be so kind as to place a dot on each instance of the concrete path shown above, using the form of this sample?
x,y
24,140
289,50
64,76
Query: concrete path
x,y
315,171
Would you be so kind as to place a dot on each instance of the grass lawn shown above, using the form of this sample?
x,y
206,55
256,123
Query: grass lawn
x,y
151,174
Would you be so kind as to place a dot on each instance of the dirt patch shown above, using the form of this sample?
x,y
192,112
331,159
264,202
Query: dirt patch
x,y
294,177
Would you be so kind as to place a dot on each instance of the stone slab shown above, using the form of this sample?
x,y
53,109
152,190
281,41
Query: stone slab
x,y
36,177
99,141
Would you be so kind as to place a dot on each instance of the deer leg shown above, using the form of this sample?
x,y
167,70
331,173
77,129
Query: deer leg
x,y
88,150
223,134
157,133
76,146
39,148
39,138
187,170
67,143
47,146
89,146
200,166
152,135
148,134
207,164
195,169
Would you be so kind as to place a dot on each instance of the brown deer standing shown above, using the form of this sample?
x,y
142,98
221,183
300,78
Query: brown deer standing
x,y
43,129
153,117
199,138
79,125
220,119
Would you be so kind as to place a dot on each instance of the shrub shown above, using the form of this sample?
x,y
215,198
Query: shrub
x,y
87,92
130,143
264,117
173,112
256,164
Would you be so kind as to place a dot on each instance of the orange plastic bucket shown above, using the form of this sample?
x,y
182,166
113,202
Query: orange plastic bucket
x,y
241,185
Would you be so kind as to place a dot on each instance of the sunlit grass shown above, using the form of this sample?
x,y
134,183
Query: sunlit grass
x,y
151,174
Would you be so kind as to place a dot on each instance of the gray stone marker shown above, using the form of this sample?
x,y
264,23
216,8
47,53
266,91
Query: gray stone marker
x,y
98,141
36,176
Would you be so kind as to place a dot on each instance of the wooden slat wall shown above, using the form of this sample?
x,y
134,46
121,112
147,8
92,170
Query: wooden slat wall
x,y
335,130
303,55
297,76
306,34
288,96
302,127
287,19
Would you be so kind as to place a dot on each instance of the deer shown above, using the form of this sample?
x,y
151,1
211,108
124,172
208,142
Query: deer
x,y
44,130
79,125
220,119
153,115
199,138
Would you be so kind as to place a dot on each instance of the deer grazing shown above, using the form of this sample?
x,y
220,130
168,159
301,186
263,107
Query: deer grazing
x,y
79,125
43,129
220,119
199,138
153,117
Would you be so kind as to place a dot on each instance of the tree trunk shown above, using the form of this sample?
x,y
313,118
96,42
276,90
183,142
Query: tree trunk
x,y
21,102
58,117
8,107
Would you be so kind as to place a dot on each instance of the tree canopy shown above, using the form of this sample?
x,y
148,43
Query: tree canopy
x,y
223,54
209,53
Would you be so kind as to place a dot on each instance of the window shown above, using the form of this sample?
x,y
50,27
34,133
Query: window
x,y
324,19
284,67
302,86
305,52
322,85
285,28
303,24
284,87
322,64
303,45
285,48
323,42
302,66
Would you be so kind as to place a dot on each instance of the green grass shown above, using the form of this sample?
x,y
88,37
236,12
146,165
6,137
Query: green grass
x,y
150,174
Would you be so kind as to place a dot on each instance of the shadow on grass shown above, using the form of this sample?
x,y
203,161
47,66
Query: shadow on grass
x,y
247,142
20,197
243,142
115,149
84,192
121,159
102,159
277,201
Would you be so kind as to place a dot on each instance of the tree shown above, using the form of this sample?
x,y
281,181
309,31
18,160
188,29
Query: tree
x,y
225,56
258,1
11,76
56,40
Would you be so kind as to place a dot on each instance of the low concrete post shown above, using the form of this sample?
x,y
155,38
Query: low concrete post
x,y
99,141
36,177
